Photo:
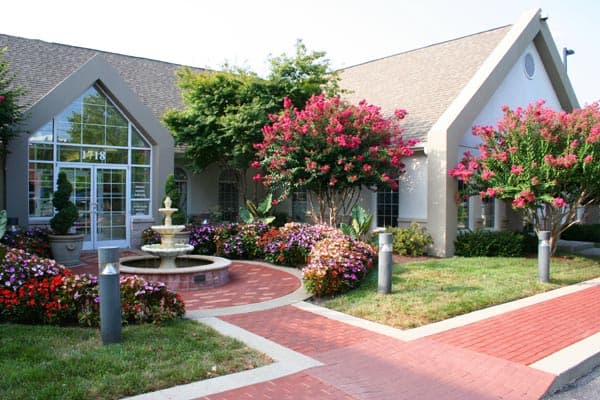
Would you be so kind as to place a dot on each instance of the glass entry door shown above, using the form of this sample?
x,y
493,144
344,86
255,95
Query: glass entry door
x,y
100,196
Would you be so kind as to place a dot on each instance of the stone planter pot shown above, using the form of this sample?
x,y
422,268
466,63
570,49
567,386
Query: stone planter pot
x,y
66,249
182,237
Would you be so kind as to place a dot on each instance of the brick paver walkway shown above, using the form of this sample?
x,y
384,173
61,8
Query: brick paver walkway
x,y
366,365
249,283
483,360
530,334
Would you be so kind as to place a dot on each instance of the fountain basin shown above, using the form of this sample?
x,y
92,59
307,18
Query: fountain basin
x,y
191,272
167,254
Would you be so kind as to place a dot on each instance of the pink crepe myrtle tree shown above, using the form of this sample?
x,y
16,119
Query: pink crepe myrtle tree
x,y
331,149
546,162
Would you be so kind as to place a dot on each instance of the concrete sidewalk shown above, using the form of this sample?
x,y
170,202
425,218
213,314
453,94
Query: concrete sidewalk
x,y
519,350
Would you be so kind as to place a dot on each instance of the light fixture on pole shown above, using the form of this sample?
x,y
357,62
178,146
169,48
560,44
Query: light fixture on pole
x,y
566,53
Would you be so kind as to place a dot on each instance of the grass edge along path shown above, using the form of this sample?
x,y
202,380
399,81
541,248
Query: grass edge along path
x,y
436,289
52,362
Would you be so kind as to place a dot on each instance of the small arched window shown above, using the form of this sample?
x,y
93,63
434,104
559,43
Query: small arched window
x,y
228,195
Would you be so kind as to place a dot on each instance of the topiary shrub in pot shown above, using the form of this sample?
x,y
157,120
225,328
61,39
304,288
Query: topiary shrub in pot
x,y
65,245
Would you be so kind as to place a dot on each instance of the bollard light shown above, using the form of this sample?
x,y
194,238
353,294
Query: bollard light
x,y
544,256
110,294
384,281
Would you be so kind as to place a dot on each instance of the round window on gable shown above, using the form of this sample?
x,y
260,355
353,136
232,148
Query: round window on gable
x,y
529,65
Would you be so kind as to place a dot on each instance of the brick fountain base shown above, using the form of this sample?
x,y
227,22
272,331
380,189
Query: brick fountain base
x,y
193,272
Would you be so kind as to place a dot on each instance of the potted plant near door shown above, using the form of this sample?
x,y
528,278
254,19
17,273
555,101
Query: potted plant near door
x,y
64,244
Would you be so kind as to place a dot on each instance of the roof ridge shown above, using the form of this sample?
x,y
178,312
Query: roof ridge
x,y
97,51
425,47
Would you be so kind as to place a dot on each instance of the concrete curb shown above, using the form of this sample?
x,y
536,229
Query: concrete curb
x,y
571,363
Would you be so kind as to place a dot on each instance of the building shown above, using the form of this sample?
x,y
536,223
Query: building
x,y
97,116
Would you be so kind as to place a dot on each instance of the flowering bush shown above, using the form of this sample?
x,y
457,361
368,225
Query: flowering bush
x,y
545,162
239,241
332,149
202,238
411,240
33,241
337,263
150,236
292,243
35,290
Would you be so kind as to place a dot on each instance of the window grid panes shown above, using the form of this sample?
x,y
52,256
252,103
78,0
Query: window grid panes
x,y
90,130
387,207
228,196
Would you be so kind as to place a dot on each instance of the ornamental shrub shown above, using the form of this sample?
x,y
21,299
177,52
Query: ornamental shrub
x,y
202,238
36,290
582,233
292,243
337,263
32,241
411,241
149,236
483,243
239,241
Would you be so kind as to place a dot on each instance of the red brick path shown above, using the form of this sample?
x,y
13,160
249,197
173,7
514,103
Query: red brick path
x,y
249,283
530,334
360,364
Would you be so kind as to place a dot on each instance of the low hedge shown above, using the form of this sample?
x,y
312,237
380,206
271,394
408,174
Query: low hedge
x,y
582,233
484,243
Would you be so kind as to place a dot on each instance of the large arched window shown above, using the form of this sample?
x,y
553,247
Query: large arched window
x,y
228,195
91,130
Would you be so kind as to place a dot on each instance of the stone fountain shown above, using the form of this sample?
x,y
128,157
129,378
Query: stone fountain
x,y
168,261
167,250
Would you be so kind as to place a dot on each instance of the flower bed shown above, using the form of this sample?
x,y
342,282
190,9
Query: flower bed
x,y
333,262
337,264
36,290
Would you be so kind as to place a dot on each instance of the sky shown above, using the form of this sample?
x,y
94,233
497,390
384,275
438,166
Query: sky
x,y
246,33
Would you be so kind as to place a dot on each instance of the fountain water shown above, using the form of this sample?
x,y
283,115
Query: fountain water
x,y
169,263
167,250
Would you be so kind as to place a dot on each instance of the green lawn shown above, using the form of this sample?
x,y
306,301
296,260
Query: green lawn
x,y
433,290
46,362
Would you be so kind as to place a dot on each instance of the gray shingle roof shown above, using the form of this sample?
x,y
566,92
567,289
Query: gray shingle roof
x,y
41,66
423,81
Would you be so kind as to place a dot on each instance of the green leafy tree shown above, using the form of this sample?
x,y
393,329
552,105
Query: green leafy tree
x,y
545,162
226,110
10,114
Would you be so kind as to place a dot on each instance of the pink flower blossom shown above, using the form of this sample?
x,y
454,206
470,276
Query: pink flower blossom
x,y
588,159
516,169
487,174
535,181
559,202
519,202
512,150
2,99
255,164
257,178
